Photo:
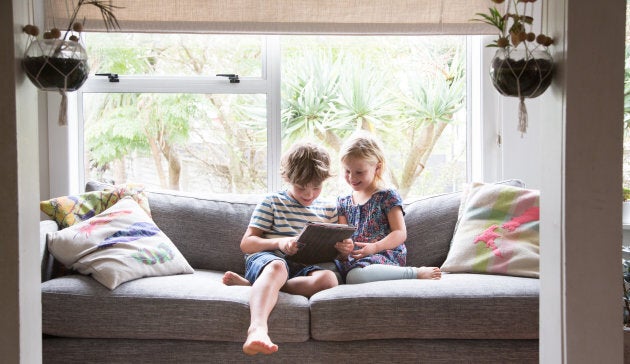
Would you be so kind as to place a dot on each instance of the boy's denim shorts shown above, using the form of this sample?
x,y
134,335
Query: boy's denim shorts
x,y
255,263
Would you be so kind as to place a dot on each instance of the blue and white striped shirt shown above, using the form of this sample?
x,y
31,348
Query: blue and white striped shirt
x,y
280,215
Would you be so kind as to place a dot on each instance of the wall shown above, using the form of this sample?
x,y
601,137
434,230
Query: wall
x,y
581,315
20,302
580,158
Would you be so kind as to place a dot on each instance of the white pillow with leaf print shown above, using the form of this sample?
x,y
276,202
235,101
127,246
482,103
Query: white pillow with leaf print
x,y
118,245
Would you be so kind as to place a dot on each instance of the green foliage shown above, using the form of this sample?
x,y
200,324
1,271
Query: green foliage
x,y
309,90
364,100
329,89
494,18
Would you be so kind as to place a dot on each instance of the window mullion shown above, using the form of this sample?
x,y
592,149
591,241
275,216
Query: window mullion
x,y
272,73
175,85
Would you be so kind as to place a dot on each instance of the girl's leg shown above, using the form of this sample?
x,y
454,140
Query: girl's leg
x,y
383,272
263,299
314,282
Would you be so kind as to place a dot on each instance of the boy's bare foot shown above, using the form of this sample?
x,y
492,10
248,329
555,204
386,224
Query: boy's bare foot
x,y
429,273
233,279
259,342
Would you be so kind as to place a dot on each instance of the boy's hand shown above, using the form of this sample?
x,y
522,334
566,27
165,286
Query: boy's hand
x,y
288,246
345,248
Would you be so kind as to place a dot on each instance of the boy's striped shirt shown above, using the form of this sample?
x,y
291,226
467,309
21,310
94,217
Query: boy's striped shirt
x,y
280,215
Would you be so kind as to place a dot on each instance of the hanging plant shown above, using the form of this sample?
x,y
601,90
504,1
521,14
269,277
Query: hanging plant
x,y
522,66
58,61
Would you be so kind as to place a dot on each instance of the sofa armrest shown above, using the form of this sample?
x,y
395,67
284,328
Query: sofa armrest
x,y
46,259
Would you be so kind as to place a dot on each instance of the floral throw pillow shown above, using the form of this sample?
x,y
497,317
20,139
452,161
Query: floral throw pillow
x,y
497,232
120,244
69,210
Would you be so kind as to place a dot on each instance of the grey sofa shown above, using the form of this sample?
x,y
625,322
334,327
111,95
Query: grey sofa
x,y
194,318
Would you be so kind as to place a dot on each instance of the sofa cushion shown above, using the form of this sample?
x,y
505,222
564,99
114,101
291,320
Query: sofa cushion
x,y
69,210
497,232
430,223
459,306
206,229
194,306
118,245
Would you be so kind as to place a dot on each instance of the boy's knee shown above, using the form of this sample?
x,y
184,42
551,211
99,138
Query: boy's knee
x,y
277,267
328,279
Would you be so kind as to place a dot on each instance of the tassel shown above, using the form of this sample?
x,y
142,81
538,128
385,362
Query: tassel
x,y
522,117
63,109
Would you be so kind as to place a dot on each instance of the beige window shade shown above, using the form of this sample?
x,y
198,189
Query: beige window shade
x,y
283,16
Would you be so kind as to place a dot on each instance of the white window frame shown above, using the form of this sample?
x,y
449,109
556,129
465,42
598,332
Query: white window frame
x,y
66,153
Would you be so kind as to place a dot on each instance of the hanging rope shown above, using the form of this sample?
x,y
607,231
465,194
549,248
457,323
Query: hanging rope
x,y
63,108
522,116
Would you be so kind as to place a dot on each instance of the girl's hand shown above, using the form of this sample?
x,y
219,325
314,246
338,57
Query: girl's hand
x,y
344,248
365,249
288,246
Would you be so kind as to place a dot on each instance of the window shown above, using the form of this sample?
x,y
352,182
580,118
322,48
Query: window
x,y
172,123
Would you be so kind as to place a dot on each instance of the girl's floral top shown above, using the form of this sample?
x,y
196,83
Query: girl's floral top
x,y
372,225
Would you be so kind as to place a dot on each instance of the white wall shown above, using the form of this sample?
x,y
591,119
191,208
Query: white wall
x,y
581,314
20,301
522,153
581,183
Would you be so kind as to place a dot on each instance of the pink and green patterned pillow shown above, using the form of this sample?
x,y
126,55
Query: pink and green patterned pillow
x,y
497,232
69,210
120,244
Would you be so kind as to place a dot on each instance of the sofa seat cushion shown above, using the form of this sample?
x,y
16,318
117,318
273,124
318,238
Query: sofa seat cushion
x,y
459,306
194,306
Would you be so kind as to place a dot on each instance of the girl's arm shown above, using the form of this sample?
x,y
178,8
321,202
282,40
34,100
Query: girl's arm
x,y
253,242
397,236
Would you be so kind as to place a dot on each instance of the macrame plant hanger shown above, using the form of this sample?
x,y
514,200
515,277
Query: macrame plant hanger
x,y
45,66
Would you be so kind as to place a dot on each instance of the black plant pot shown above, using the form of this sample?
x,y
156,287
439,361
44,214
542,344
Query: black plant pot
x,y
56,65
521,73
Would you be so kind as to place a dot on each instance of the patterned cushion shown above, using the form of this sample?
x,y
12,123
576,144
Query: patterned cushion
x,y
69,210
120,244
497,232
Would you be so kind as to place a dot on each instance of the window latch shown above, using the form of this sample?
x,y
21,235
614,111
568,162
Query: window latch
x,y
233,78
113,77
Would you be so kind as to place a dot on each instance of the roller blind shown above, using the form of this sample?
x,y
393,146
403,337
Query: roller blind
x,y
282,16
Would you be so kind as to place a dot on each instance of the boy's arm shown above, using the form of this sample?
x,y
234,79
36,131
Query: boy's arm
x,y
253,242
344,247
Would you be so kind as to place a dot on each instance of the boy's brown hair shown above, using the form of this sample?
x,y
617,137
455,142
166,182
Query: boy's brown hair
x,y
305,163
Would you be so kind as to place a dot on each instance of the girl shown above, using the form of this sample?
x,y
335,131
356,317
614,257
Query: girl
x,y
379,243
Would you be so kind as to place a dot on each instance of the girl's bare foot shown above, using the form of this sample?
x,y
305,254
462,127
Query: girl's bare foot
x,y
233,279
428,273
259,342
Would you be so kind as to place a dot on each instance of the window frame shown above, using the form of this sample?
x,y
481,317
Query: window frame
x,y
483,150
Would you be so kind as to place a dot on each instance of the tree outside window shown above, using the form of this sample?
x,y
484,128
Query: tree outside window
x,y
409,91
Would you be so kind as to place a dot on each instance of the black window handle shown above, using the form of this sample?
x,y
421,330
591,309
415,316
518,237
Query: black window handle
x,y
113,77
233,78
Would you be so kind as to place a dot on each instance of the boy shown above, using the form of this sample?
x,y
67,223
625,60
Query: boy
x,y
270,241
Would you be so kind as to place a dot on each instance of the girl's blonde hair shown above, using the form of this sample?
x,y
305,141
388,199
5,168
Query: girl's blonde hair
x,y
365,146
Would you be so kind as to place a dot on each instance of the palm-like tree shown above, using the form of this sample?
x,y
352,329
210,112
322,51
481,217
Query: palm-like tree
x,y
430,107
364,100
309,89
